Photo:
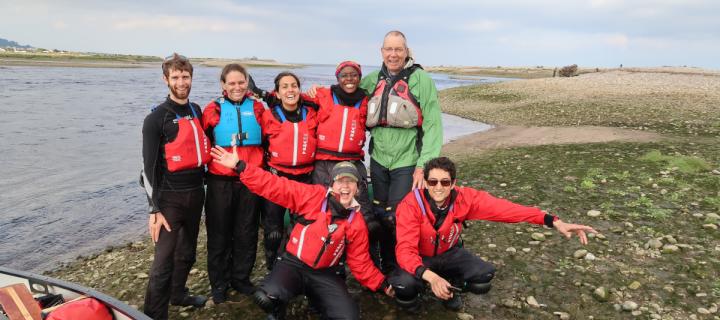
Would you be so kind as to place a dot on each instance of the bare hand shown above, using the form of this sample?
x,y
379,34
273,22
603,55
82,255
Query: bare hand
x,y
155,224
312,91
567,229
440,287
418,179
224,158
390,292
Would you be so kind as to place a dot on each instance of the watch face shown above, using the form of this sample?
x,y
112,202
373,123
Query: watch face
x,y
332,227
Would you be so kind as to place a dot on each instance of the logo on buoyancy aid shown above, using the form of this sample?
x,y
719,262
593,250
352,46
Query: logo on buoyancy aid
x,y
176,158
304,143
353,127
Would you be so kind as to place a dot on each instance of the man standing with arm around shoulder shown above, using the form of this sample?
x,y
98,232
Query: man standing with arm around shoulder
x,y
405,123
175,151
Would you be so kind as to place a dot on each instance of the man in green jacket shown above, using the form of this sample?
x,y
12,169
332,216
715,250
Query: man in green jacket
x,y
406,128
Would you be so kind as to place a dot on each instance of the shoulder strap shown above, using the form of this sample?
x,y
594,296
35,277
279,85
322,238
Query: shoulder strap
x,y
280,114
420,201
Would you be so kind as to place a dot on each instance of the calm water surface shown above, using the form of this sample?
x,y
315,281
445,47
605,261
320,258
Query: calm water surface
x,y
70,141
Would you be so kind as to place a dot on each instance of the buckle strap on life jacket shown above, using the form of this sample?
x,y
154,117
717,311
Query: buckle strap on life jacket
x,y
420,201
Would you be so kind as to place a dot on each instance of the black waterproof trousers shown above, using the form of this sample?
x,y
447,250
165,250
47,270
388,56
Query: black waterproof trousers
x,y
174,251
324,287
389,188
231,218
457,265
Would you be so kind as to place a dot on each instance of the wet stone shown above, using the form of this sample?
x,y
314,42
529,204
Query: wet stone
x,y
710,226
579,254
634,285
562,315
531,301
600,294
654,244
629,305
465,316
670,248
538,236
594,213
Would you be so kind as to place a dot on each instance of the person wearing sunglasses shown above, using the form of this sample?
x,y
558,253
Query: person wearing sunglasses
x,y
231,210
328,226
175,151
405,124
429,248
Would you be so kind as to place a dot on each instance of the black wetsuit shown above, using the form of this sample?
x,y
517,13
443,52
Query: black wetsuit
x,y
179,196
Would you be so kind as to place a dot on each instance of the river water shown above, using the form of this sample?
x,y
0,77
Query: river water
x,y
70,141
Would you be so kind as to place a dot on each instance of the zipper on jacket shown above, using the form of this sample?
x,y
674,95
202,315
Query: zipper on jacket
x,y
437,242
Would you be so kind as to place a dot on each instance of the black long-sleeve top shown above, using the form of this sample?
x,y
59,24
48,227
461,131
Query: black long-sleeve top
x,y
159,128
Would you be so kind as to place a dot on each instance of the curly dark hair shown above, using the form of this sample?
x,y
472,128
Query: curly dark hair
x,y
442,163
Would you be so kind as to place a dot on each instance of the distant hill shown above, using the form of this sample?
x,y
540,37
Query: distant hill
x,y
9,43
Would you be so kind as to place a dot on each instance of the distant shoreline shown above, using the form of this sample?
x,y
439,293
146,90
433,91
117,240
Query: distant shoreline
x,y
122,61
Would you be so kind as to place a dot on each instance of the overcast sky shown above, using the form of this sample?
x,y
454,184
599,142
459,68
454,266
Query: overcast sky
x,y
590,33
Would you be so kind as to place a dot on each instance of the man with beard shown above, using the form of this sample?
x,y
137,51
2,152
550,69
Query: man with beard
x,y
403,116
175,151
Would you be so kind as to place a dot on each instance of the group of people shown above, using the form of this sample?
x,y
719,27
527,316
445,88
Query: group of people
x,y
303,152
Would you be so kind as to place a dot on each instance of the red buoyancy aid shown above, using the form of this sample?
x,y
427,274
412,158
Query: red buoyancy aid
x,y
321,243
191,147
434,242
87,308
292,145
341,131
392,104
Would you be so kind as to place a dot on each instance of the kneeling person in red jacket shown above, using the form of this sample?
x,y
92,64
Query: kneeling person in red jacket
x,y
429,224
328,224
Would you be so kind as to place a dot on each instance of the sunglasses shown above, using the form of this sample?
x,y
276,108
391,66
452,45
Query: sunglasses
x,y
443,182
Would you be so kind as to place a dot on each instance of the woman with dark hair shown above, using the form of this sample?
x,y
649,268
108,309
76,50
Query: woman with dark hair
x,y
289,127
231,209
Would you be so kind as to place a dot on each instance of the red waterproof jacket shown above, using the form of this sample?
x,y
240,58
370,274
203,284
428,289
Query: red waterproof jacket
x,y
417,238
291,146
341,129
252,155
314,243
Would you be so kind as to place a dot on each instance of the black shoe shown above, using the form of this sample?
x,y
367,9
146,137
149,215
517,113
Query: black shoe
x,y
190,300
246,288
455,303
219,295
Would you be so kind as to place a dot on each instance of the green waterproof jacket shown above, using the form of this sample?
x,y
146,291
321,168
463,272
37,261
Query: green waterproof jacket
x,y
395,147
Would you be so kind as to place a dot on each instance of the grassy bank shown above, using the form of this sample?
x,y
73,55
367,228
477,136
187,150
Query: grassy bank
x,y
656,204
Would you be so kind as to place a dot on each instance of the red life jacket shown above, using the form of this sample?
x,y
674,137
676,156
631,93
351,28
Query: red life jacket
x,y
434,242
293,145
392,104
342,134
191,148
320,243
87,308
